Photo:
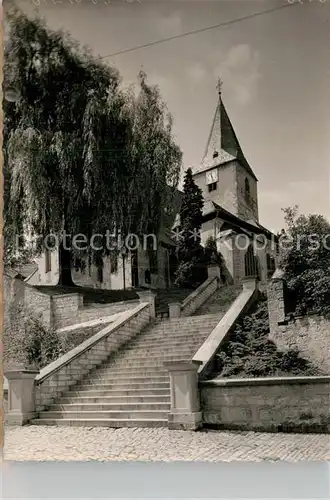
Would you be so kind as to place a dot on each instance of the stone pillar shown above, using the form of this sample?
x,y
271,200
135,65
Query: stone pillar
x,y
174,309
276,304
185,405
148,296
21,396
250,283
80,300
213,270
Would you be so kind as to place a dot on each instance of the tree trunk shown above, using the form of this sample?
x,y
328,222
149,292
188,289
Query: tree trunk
x,y
65,277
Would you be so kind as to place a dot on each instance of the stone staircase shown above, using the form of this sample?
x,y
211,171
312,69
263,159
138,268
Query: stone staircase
x,y
220,301
132,388
165,296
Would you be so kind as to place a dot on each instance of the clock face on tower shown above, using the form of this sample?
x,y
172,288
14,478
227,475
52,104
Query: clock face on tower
x,y
212,176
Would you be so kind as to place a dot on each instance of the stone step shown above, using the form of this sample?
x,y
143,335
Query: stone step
x,y
146,361
110,378
169,329
133,357
192,319
156,351
125,385
159,345
104,415
165,343
123,372
164,398
110,407
165,340
155,354
157,392
114,423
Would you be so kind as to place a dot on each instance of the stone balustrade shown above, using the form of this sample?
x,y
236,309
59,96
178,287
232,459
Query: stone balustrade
x,y
30,392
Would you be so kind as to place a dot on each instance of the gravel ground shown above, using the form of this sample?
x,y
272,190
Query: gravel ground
x,y
43,443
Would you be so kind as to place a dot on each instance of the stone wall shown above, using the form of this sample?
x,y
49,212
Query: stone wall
x,y
309,334
68,310
65,309
97,311
279,404
70,368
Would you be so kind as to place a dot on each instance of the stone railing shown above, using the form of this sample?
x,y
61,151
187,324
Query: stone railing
x,y
206,353
30,391
195,299
274,404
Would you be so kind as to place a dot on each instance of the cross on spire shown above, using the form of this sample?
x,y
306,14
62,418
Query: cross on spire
x,y
219,85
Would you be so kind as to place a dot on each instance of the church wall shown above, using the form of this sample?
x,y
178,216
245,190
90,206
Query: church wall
x,y
208,229
52,276
85,278
224,246
239,248
246,210
117,279
143,263
158,280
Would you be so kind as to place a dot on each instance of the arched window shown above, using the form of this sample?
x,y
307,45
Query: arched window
x,y
250,264
247,189
48,260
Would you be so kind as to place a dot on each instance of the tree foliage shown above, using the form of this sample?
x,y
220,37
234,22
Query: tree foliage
x,y
305,260
191,256
82,156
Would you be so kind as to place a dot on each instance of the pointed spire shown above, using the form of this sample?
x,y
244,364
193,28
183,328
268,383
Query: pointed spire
x,y
222,144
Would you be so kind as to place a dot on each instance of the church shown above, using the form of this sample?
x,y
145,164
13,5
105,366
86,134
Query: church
x,y
230,216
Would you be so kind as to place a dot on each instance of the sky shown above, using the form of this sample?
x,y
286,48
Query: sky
x,y
275,70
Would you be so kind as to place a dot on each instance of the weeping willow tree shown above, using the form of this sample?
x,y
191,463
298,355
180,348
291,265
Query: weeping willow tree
x,y
81,155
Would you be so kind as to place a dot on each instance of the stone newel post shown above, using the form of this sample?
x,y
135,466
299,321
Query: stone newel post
x,y
174,309
185,405
148,296
213,270
276,304
250,283
21,396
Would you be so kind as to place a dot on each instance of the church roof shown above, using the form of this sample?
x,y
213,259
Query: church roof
x,y
222,141
212,209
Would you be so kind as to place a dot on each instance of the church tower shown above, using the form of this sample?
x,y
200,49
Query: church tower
x,y
224,174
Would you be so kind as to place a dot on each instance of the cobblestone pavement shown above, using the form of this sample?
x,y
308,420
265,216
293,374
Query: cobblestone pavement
x,y
74,443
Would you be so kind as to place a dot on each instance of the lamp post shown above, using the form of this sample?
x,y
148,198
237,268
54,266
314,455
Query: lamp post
x,y
123,252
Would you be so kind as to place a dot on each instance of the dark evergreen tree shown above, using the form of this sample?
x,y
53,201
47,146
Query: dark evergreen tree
x,y
191,270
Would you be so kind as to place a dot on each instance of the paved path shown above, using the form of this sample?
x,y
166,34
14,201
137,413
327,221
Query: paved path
x,y
74,443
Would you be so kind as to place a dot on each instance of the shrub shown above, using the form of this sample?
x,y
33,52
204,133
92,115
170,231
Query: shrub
x,y
306,262
40,345
250,353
